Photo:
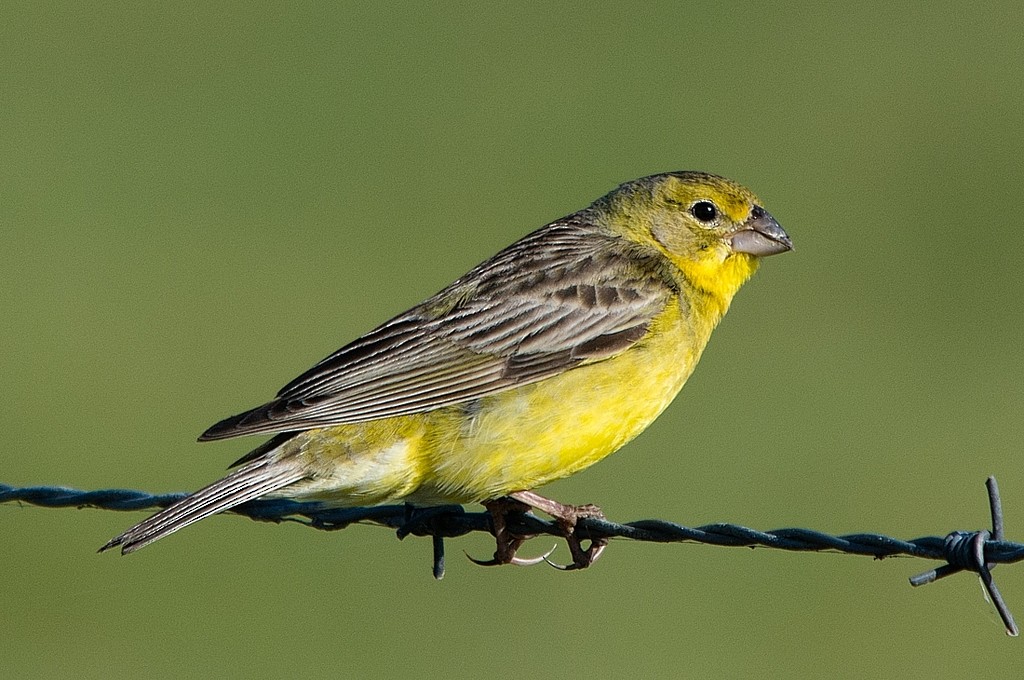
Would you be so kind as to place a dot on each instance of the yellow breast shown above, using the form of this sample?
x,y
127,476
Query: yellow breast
x,y
535,434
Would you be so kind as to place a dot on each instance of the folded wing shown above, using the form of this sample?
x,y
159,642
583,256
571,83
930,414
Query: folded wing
x,y
564,295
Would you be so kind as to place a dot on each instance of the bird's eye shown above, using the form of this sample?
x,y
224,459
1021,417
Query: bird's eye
x,y
705,211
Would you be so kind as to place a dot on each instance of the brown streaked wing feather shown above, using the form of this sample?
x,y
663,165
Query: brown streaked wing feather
x,y
564,295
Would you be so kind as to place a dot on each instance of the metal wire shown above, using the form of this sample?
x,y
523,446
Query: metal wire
x,y
977,551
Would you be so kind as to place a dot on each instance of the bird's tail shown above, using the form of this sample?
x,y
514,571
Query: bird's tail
x,y
244,484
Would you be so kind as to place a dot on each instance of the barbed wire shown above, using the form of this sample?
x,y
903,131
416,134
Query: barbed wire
x,y
975,551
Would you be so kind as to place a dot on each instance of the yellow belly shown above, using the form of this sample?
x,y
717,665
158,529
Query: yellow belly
x,y
516,440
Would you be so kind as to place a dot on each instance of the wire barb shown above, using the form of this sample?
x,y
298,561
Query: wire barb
x,y
977,551
965,551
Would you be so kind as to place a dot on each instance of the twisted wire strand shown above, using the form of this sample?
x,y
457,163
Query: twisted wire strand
x,y
450,521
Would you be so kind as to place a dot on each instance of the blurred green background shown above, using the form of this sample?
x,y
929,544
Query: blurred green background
x,y
198,201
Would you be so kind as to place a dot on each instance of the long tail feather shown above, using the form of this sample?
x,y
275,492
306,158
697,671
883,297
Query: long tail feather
x,y
244,484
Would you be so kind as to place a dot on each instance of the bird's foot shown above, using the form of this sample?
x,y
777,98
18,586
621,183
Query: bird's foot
x,y
566,516
507,543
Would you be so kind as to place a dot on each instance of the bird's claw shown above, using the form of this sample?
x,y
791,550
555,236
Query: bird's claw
x,y
530,561
512,559
581,559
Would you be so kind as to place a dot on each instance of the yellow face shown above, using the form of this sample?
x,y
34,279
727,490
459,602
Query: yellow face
x,y
697,212
713,230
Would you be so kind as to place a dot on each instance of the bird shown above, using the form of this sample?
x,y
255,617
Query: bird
x,y
534,365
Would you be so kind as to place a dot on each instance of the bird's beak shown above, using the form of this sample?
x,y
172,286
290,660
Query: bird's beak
x,y
760,235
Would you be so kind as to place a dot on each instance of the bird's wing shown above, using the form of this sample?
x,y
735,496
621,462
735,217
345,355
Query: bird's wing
x,y
558,298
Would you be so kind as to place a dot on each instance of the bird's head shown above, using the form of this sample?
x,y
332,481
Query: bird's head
x,y
713,230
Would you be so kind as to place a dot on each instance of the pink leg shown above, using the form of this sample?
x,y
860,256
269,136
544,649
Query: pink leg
x,y
507,543
566,516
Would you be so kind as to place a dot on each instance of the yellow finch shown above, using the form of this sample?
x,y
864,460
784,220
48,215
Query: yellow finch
x,y
536,364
